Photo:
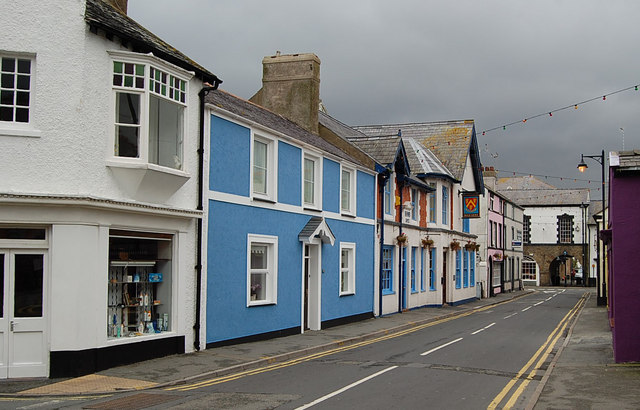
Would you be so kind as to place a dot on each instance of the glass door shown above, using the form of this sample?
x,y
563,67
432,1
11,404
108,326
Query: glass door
x,y
22,315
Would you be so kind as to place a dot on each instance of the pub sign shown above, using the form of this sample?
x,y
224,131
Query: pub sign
x,y
471,205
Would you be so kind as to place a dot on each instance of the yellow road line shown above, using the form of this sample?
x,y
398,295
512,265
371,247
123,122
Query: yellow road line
x,y
548,345
275,366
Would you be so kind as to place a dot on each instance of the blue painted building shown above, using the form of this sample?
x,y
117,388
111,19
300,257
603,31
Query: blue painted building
x,y
290,225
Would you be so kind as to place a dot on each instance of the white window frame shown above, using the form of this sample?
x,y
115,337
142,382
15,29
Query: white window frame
x,y
391,212
272,166
351,210
415,204
22,129
271,242
350,270
317,181
145,94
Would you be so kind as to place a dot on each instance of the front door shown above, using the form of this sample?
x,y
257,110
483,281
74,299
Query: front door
x,y
311,291
22,314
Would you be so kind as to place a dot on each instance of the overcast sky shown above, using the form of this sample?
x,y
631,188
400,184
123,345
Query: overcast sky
x,y
495,62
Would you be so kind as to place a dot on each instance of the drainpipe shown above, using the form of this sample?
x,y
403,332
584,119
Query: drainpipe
x,y
401,274
196,326
383,180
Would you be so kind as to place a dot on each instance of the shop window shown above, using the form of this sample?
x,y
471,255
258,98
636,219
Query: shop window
x,y
139,284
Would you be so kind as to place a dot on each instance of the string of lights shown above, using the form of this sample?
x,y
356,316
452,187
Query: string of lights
x,y
551,112
514,173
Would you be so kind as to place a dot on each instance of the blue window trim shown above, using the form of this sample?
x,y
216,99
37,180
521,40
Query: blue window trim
x,y
465,267
403,279
432,270
472,269
458,275
445,205
387,274
465,225
414,288
422,271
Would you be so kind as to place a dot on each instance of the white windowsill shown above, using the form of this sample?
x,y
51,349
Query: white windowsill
x,y
146,166
19,131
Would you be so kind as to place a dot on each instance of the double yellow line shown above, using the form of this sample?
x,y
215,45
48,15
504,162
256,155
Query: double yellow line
x,y
540,355
292,362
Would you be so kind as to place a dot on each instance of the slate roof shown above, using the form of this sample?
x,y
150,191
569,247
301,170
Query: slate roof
x,y
383,149
547,197
340,129
522,182
629,160
450,141
273,121
422,160
100,15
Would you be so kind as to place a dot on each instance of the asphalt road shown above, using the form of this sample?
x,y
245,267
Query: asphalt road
x,y
490,358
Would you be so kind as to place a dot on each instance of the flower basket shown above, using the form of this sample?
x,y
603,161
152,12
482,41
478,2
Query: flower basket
x,y
402,239
454,245
427,243
470,246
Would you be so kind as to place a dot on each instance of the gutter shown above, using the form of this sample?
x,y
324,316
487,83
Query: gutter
x,y
196,326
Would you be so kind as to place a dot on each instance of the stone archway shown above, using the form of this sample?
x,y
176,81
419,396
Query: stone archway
x,y
560,270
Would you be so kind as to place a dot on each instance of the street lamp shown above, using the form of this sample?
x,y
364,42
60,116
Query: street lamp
x,y
602,294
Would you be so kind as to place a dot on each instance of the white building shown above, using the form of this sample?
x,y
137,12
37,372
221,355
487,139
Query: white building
x,y
555,233
99,128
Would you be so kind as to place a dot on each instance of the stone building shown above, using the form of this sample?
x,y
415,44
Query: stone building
x,y
554,229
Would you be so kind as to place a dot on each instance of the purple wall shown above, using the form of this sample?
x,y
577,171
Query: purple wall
x,y
624,266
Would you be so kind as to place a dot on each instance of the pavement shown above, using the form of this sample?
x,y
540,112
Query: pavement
x,y
581,375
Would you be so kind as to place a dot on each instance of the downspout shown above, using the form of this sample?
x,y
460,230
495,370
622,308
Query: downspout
x,y
383,180
401,274
196,326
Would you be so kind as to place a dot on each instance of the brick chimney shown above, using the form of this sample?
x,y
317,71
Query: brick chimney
x,y
120,5
291,88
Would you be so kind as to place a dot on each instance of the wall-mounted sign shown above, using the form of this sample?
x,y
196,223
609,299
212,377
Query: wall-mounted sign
x,y
516,244
471,205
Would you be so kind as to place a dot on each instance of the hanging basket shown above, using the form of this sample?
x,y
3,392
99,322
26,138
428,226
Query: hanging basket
x,y
427,243
402,239
470,246
454,245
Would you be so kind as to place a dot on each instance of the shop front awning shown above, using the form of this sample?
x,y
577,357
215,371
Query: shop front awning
x,y
317,227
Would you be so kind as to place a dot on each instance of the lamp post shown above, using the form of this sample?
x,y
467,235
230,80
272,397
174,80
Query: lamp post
x,y
601,293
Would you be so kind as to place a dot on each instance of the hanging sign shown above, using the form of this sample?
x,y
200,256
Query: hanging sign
x,y
471,205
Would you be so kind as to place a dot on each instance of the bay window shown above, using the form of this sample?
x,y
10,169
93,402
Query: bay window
x,y
150,105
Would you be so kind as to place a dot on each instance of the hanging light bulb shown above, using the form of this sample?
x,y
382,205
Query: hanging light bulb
x,y
604,98
525,120
575,106
550,115
504,127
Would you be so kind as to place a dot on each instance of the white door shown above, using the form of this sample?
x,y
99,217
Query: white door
x,y
23,350
312,288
